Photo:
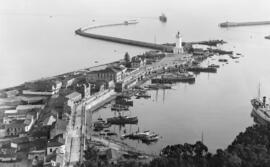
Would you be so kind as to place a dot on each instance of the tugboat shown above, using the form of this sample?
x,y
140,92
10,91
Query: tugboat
x,y
163,18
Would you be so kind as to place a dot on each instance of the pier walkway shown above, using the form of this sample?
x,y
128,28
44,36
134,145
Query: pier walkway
x,y
238,24
82,32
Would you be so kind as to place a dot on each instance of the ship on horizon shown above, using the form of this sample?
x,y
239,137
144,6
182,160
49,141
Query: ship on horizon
x,y
163,18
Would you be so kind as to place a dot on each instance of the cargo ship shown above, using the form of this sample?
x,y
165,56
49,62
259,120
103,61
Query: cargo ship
x,y
267,37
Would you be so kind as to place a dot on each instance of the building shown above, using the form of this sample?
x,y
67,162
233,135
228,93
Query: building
x,y
52,86
29,107
52,146
14,116
33,100
137,62
59,127
20,143
12,93
2,131
108,154
39,155
49,121
68,82
178,44
73,98
15,128
31,118
84,89
10,115
110,73
8,153
50,160
30,92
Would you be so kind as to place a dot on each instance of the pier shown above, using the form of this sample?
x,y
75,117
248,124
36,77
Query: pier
x,y
238,24
82,32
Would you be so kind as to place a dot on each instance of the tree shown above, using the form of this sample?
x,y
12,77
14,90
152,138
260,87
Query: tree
x,y
127,58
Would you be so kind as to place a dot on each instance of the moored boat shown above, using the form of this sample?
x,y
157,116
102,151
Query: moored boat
x,y
202,69
213,66
146,136
176,77
142,95
119,107
158,86
120,120
223,60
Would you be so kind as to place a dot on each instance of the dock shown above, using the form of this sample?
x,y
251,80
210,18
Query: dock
x,y
238,24
82,32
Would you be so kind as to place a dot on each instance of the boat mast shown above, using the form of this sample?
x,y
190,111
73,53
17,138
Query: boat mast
x,y
259,91
202,137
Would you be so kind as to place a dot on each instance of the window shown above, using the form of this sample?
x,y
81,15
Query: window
x,y
51,150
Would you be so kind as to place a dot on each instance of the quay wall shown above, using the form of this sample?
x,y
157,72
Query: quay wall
x,y
125,41
237,24
96,99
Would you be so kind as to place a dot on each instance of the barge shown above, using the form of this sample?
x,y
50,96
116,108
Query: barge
x,y
202,69
121,120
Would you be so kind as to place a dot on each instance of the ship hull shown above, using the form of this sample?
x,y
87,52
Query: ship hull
x,y
259,118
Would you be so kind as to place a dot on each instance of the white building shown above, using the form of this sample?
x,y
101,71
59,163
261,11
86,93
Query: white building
x,y
10,115
73,98
178,44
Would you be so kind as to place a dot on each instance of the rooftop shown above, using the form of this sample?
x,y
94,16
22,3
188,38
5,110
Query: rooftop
x,y
15,124
73,95
61,124
10,111
54,144
27,107
33,98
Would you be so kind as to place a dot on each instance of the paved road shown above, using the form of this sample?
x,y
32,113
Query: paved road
x,y
74,133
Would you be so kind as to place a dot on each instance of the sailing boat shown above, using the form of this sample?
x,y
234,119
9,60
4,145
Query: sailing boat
x,y
261,110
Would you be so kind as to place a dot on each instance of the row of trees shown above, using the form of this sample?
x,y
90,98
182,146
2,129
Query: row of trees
x,y
249,149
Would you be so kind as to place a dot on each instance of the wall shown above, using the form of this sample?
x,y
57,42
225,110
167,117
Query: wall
x,y
125,41
97,98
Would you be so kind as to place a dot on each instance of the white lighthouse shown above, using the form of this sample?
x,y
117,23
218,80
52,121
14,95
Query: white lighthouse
x,y
178,44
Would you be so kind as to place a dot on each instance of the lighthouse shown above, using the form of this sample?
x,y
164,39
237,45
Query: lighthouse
x,y
178,44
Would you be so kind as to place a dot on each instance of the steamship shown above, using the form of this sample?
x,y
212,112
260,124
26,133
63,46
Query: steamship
x,y
261,110
163,18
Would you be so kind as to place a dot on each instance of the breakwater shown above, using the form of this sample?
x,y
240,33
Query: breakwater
x,y
160,47
238,24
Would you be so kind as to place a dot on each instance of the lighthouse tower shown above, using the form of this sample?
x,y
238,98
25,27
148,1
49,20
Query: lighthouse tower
x,y
178,44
